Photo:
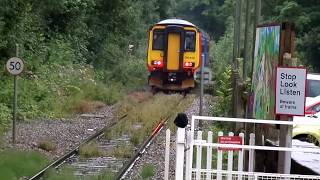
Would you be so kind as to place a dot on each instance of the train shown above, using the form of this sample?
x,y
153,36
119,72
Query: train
x,y
176,50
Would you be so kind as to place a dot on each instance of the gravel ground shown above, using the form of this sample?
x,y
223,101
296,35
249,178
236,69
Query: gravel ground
x,y
64,134
155,153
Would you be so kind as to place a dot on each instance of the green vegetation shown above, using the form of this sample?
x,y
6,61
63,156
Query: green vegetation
x,y
306,16
77,52
108,175
5,117
147,171
16,164
121,151
65,173
223,106
47,145
90,150
77,57
147,114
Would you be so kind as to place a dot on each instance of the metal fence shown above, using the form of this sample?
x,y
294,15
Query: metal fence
x,y
193,163
236,175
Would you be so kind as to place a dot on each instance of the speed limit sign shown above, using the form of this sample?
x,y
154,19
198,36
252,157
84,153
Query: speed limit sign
x,y
14,66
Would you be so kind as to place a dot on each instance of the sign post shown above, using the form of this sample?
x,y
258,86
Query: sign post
x,y
14,66
290,91
290,101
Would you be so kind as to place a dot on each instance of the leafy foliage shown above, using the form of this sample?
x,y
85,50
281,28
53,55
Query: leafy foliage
x,y
224,92
209,15
306,17
5,117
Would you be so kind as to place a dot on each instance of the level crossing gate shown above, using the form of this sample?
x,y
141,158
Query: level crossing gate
x,y
200,158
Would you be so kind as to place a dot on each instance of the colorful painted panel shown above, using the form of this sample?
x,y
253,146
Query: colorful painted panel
x,y
266,59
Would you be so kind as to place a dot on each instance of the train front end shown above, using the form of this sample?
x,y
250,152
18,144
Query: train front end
x,y
175,52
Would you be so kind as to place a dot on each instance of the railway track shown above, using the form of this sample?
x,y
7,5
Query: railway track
x,y
146,144
73,154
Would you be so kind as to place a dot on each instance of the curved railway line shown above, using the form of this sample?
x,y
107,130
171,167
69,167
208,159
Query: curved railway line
x,y
128,165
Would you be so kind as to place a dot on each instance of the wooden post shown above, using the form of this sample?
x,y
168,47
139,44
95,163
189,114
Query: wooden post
x,y
180,153
209,155
286,53
219,159
251,153
249,127
246,42
240,158
236,54
230,160
199,156
15,101
167,155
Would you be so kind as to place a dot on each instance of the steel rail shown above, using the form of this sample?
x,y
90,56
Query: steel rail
x,y
145,145
74,151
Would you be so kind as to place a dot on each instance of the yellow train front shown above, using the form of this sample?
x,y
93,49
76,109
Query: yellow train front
x,y
176,49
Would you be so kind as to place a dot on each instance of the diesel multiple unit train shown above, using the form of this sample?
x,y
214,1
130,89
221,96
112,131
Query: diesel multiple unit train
x,y
176,49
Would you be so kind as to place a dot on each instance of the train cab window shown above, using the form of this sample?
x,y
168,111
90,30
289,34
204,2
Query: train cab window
x,y
190,41
158,40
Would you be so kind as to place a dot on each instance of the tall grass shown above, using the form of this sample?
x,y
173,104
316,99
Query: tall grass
x,y
121,151
147,114
65,174
58,90
107,175
91,150
18,164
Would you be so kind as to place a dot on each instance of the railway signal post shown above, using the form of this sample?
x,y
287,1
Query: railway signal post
x,y
14,66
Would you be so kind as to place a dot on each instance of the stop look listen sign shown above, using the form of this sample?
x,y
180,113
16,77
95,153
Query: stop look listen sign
x,y
14,66
290,91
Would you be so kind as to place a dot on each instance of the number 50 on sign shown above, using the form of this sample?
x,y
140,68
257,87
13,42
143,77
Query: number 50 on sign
x,y
14,66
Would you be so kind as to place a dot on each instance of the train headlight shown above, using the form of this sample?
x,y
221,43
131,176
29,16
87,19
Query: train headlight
x,y
188,64
157,63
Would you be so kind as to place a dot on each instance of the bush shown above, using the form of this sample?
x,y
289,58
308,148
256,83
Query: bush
x,y
5,117
224,92
57,91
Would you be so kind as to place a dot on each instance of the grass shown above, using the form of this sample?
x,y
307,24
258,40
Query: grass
x,y
122,151
147,171
147,111
19,164
107,175
88,106
47,145
65,173
91,150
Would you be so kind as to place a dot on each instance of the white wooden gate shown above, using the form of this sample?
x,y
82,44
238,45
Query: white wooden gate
x,y
193,163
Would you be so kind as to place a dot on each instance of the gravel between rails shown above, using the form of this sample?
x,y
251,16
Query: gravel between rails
x,y
156,152
65,134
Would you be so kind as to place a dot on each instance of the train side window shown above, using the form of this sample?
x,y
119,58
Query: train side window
x,y
158,40
190,41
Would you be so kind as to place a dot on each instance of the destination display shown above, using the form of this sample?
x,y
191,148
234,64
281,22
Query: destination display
x,y
290,91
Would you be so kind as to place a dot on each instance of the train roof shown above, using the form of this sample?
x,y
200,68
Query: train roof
x,y
176,21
